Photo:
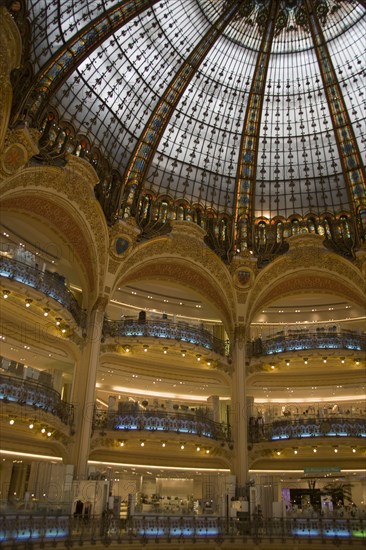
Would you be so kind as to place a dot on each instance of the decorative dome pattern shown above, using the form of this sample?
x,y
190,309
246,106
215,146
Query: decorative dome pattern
x,y
252,109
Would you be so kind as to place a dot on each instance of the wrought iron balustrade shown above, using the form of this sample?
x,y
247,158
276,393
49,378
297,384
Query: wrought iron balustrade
x,y
32,529
307,428
35,395
50,284
161,421
303,340
166,329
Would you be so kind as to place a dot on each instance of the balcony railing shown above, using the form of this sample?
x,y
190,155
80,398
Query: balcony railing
x,y
38,396
39,530
162,422
166,329
306,428
301,340
50,284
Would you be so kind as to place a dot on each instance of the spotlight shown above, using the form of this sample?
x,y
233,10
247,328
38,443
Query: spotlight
x,y
342,360
121,443
146,347
305,360
142,443
49,434
11,421
278,453
46,311
58,321
31,426
6,293
183,352
28,302
207,451
43,430
324,359
296,451
354,449
127,348
198,357
336,449
357,361
198,448
182,445
315,450
272,367
163,444
165,350
287,362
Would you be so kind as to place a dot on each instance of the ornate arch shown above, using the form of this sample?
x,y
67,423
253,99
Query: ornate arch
x,y
64,199
183,257
308,266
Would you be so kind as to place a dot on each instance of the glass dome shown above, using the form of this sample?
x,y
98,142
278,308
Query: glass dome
x,y
249,111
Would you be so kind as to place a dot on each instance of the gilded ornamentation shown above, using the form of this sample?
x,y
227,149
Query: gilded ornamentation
x,y
190,246
10,55
83,232
19,146
307,253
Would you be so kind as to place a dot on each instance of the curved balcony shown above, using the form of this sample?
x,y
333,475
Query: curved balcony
x,y
165,329
307,428
38,396
50,284
304,340
162,422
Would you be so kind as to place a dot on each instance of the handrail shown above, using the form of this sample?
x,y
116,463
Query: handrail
x,y
166,329
283,429
301,340
39,529
162,421
48,283
34,394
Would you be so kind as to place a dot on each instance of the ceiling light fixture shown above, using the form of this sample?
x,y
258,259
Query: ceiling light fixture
x,y
28,302
46,311
6,293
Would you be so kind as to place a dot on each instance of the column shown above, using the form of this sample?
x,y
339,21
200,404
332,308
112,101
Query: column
x,y
83,391
239,408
